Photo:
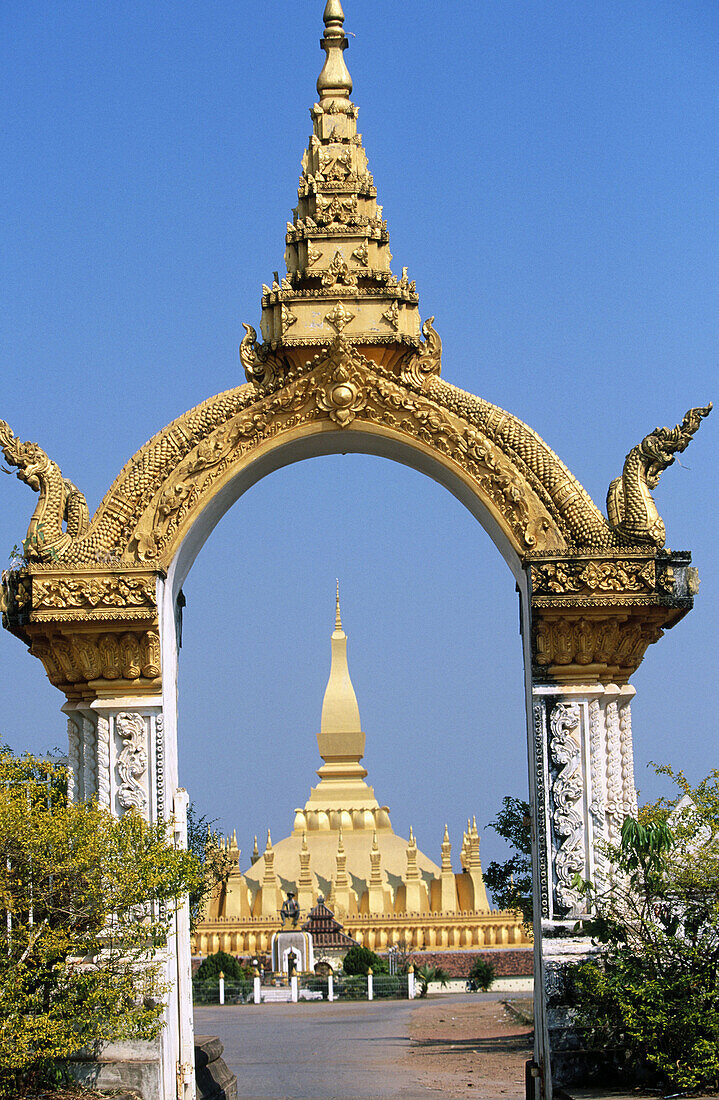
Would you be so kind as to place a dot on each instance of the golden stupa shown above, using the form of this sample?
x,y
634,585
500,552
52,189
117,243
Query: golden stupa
x,y
343,848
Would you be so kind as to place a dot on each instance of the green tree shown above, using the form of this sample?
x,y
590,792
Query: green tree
x,y
206,845
358,960
84,899
654,991
210,967
481,975
426,974
510,882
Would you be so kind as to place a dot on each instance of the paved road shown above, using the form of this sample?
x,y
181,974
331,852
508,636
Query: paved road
x,y
316,1051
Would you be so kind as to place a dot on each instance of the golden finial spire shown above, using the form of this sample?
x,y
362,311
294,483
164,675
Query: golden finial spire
x,y
338,617
334,82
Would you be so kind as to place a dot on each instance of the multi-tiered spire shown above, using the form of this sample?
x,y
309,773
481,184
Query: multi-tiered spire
x,y
338,281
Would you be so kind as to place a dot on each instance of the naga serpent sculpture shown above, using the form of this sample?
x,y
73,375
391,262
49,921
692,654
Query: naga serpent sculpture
x,y
630,505
60,501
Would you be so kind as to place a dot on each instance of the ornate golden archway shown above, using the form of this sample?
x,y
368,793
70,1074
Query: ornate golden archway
x,y
601,589
343,367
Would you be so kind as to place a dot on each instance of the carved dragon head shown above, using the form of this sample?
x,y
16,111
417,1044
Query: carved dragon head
x,y
659,448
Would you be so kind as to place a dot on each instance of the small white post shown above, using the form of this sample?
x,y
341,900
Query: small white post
x,y
294,984
256,988
370,985
410,983
330,987
222,987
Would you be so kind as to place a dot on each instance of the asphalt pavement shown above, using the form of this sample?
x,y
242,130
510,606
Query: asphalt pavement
x,y
316,1051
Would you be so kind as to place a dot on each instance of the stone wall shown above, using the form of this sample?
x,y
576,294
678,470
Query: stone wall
x,y
513,963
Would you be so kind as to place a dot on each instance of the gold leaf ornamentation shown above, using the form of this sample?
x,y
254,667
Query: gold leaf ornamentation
x,y
391,315
339,317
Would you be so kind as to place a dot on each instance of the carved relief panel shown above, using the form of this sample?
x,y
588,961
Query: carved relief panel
x,y
584,769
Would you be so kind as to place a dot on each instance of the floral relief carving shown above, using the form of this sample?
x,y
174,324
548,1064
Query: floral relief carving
x,y
594,576
339,317
131,760
615,794
103,760
73,758
626,749
89,758
567,790
342,394
338,272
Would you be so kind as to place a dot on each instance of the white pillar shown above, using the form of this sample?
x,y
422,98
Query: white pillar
x,y
183,975
222,988
294,987
330,987
410,983
370,985
256,991
74,755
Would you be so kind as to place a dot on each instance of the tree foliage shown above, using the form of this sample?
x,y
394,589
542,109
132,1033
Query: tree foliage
x,y
481,975
654,992
233,970
84,899
510,882
426,974
358,960
205,843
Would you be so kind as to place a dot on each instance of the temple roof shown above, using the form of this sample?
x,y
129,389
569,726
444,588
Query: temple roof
x,y
326,932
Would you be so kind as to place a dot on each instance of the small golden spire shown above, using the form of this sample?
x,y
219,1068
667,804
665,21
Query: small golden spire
x,y
445,838
338,617
334,82
268,847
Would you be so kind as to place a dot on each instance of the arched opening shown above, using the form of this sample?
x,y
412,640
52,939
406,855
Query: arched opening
x,y
274,458
322,446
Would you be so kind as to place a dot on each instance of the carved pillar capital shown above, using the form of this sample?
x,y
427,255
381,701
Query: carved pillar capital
x,y
94,629
594,615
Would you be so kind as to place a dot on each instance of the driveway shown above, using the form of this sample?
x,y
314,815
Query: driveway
x,y
318,1051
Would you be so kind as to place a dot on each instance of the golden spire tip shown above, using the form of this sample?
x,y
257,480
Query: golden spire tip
x,y
334,82
338,617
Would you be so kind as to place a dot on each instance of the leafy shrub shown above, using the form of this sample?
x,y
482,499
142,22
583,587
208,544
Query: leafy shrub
x,y
353,988
209,969
88,897
653,995
426,974
481,975
358,960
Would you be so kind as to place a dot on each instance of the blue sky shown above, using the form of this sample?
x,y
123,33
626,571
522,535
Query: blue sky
x,y
549,175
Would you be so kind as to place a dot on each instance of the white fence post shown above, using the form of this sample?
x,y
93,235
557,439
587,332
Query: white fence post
x,y
330,987
370,984
410,983
294,985
256,988
222,988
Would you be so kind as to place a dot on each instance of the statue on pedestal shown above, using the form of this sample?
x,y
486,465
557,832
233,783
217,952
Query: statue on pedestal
x,y
290,910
